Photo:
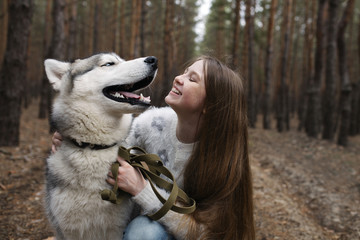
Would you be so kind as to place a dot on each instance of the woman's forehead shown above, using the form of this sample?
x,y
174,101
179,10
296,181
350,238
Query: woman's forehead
x,y
197,66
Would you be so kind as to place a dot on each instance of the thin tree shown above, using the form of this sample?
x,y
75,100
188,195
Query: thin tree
x,y
168,47
283,89
236,30
345,99
250,73
3,32
142,37
268,66
355,113
56,49
45,99
307,62
220,31
122,30
313,116
14,70
116,30
135,24
72,30
329,105
96,27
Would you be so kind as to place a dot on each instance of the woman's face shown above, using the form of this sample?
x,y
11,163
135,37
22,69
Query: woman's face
x,y
188,93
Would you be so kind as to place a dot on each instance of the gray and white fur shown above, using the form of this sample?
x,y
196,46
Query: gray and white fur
x,y
94,105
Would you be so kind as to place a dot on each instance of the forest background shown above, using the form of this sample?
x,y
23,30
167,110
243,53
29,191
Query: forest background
x,y
298,58
300,63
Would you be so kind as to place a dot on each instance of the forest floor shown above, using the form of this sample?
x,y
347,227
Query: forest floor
x,y
304,188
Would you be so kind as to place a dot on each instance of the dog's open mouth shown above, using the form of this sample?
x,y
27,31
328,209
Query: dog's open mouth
x,y
124,93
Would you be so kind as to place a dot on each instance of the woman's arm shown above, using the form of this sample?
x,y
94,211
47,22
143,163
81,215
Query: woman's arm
x,y
177,224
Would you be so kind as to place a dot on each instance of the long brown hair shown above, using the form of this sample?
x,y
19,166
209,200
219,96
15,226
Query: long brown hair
x,y
218,174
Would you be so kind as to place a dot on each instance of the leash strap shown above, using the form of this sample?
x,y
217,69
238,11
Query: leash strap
x,y
151,168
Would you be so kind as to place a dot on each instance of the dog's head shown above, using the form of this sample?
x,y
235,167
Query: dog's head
x,y
104,79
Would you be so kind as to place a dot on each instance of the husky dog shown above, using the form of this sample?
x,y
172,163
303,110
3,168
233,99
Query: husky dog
x,y
93,114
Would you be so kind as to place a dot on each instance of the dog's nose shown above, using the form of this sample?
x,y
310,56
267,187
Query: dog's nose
x,y
151,61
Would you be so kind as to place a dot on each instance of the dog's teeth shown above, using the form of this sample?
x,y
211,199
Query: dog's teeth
x,y
118,95
144,99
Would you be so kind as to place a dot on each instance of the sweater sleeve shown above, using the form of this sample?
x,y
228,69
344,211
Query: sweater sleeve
x,y
176,224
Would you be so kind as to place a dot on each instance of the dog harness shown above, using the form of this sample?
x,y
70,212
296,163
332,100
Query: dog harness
x,y
151,168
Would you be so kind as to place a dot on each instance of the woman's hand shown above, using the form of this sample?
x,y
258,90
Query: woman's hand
x,y
129,178
56,142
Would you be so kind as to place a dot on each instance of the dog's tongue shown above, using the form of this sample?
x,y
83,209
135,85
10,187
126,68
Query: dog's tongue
x,y
130,95
133,95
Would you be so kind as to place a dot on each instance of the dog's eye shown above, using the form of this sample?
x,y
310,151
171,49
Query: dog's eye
x,y
108,64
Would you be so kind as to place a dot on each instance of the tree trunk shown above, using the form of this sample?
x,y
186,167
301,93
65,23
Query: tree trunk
x,y
3,33
220,30
56,49
168,48
345,99
45,86
355,113
283,89
122,30
307,63
250,75
135,24
142,37
96,28
268,67
72,31
313,116
329,105
116,29
236,30
14,70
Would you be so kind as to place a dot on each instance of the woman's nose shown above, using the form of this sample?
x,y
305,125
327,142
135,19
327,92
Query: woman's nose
x,y
178,79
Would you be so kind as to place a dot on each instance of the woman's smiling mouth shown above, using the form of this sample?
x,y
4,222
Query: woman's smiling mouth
x,y
174,90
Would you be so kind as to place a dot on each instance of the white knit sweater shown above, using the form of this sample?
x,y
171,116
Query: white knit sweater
x,y
155,131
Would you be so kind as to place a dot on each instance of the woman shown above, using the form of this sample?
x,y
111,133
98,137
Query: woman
x,y
203,140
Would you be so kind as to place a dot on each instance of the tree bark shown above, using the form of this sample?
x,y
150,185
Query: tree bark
x,y
135,24
56,49
236,30
168,48
355,122
307,64
116,29
96,27
4,27
250,75
45,98
220,30
122,30
345,98
313,116
14,70
142,28
268,67
329,105
72,31
283,89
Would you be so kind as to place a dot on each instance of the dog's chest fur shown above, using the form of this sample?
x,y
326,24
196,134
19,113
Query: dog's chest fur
x,y
74,179
75,176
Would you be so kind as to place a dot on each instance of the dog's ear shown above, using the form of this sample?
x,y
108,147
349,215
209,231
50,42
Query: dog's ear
x,y
55,70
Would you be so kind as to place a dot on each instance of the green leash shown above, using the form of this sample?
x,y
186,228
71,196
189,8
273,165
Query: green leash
x,y
151,167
